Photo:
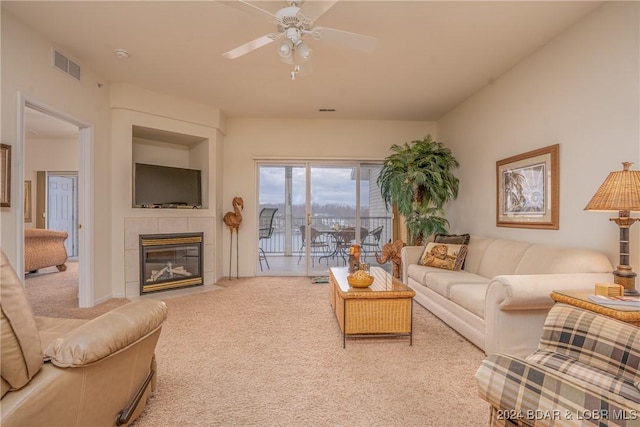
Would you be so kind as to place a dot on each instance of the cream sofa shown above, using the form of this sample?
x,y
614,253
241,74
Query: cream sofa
x,y
71,372
500,298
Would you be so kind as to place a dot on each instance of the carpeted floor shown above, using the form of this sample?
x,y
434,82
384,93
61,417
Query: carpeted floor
x,y
268,352
54,293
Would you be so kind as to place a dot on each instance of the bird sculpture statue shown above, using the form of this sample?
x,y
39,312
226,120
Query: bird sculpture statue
x,y
233,221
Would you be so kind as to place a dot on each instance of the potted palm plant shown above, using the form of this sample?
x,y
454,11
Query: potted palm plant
x,y
417,178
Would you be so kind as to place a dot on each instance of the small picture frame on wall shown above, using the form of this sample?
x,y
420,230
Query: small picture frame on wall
x,y
27,201
5,175
528,190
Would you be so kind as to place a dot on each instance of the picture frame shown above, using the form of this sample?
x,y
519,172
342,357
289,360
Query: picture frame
x,y
27,201
528,193
5,175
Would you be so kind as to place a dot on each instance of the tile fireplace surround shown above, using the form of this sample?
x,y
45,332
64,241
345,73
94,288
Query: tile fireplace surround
x,y
133,227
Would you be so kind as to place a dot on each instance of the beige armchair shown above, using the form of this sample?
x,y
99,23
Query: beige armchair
x,y
69,372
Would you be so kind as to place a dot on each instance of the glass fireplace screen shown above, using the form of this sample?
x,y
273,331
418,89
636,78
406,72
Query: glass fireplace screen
x,y
169,261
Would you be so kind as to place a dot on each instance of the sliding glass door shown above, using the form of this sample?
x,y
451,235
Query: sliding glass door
x,y
320,210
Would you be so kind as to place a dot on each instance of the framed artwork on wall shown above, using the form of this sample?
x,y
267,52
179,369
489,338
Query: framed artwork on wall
x,y
27,201
528,190
5,175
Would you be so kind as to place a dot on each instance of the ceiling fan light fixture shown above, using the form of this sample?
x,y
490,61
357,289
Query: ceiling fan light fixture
x,y
285,48
304,51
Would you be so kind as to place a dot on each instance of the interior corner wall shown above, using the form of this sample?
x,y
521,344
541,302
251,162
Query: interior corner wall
x,y
217,205
27,70
311,139
580,91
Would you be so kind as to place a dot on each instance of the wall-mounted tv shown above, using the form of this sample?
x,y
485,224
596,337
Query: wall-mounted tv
x,y
166,187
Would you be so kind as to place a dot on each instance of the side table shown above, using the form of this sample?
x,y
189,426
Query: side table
x,y
628,314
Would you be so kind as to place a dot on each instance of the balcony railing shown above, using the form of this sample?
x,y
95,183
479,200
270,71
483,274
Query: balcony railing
x,y
290,243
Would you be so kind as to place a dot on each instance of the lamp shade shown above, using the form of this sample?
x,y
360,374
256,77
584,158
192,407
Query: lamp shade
x,y
619,192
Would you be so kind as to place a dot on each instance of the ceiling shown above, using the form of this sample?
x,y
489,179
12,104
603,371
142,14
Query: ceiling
x,y
430,56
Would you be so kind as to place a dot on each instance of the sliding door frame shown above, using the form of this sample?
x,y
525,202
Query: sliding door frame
x,y
309,164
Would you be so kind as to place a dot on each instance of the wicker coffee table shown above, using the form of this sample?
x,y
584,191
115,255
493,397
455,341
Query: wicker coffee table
x,y
383,309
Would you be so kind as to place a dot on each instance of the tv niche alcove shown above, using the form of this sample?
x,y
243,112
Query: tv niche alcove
x,y
170,171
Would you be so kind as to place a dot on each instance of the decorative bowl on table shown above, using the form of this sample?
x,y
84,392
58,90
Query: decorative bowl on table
x,y
360,279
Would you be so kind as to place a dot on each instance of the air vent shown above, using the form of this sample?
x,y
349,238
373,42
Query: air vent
x,y
62,63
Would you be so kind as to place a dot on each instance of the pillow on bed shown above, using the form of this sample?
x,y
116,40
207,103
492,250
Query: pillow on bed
x,y
443,255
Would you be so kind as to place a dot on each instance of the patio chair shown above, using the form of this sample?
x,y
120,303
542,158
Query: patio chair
x,y
346,236
265,220
371,242
322,244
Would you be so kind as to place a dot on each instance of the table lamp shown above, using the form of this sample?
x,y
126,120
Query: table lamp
x,y
620,192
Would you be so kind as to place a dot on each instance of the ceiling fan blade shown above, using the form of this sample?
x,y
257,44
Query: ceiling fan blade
x,y
252,45
314,9
245,6
345,38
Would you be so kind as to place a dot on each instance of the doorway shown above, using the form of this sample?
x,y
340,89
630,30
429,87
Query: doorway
x,y
321,209
62,207
28,109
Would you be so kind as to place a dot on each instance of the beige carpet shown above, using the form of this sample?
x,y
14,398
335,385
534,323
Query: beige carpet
x,y
54,293
268,352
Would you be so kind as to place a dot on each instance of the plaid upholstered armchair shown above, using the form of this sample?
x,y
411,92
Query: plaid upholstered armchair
x,y
585,372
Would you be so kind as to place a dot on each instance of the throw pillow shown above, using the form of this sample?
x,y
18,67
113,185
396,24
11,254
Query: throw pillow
x,y
443,255
456,239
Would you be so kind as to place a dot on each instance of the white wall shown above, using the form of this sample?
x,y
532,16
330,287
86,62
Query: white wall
x,y
248,139
26,69
580,91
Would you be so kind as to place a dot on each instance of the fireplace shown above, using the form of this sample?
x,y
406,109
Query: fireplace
x,y
170,261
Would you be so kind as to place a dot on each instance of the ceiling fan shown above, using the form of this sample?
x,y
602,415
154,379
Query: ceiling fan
x,y
293,23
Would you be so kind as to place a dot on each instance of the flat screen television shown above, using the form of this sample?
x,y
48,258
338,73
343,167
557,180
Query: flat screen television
x,y
165,186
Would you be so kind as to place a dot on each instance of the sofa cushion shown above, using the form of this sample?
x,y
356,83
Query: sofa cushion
x,y
549,259
443,255
470,297
21,353
502,257
417,272
604,343
441,281
475,252
518,386
598,378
